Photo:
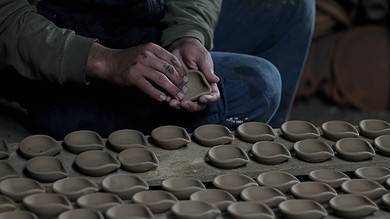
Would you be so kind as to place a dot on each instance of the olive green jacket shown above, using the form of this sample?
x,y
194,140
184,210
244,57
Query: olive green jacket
x,y
39,50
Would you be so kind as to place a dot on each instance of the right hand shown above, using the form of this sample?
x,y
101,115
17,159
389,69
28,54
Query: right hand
x,y
143,66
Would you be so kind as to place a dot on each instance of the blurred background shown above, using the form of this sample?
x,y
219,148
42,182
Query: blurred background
x,y
346,77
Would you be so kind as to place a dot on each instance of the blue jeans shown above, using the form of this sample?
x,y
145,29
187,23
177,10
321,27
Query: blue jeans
x,y
251,87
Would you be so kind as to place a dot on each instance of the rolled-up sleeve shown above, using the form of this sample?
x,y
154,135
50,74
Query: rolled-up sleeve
x,y
190,18
37,48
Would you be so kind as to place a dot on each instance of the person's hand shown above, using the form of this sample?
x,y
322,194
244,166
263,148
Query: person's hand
x,y
148,67
194,55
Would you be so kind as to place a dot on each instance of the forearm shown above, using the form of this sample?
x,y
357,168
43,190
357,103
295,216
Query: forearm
x,y
38,49
191,18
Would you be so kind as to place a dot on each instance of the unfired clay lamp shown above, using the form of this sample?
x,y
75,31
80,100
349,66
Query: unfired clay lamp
x,y
125,139
81,213
6,204
75,187
269,152
336,130
138,160
333,178
250,210
18,215
302,209
217,197
372,128
233,183
194,210
197,85
182,187
96,163
157,201
316,191
267,195
367,187
376,173
46,169
39,145
277,179
354,149
84,140
255,131
47,204
382,144
213,134
313,150
124,185
352,206
227,156
170,137
129,211
299,130
18,188
99,201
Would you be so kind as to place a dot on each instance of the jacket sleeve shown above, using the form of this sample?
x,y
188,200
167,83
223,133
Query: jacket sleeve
x,y
190,18
38,49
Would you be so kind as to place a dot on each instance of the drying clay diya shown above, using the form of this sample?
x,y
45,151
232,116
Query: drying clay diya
x,y
302,209
18,215
264,194
96,163
182,187
47,204
194,210
227,156
170,137
39,145
7,171
372,128
378,174
125,139
352,206
81,213
4,149
250,210
336,130
269,152
75,187
138,160
129,211
313,150
213,134
388,182
124,185
333,178
255,131
316,191
157,201
99,201
382,144
197,86
45,169
217,197
277,179
6,204
84,140
299,130
18,188
354,149
233,183
367,187
386,201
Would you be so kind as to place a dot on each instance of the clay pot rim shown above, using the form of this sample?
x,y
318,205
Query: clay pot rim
x,y
228,198
32,216
55,147
39,188
277,192
111,138
379,145
242,158
328,191
79,158
250,181
376,187
7,202
64,215
185,138
138,197
373,133
61,172
110,214
212,209
313,175
83,200
358,172
339,144
142,183
153,162
99,144
353,133
299,144
255,146
64,201
198,184
320,209
210,141
334,205
205,82
285,129
245,135
261,176
386,198
269,214
92,186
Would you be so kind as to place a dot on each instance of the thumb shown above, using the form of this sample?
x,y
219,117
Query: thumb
x,y
206,66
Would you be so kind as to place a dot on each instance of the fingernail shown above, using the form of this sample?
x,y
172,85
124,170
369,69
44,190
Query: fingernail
x,y
185,79
185,89
163,97
180,95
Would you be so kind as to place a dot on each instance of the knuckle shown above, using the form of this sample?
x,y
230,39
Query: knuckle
x,y
150,45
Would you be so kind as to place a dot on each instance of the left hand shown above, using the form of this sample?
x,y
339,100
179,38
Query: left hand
x,y
194,55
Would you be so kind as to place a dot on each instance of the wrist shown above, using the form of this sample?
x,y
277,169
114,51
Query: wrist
x,y
184,40
98,61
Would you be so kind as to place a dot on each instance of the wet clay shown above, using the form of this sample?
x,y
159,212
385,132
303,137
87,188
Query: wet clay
x,y
277,179
217,197
194,210
99,201
182,187
352,206
75,187
302,209
333,178
269,152
255,131
382,144
18,188
376,173
213,134
267,195
170,137
126,138
313,150
354,149
299,130
6,204
18,215
197,86
46,169
336,130
372,128
138,160
47,204
129,211
250,210
316,191
227,156
81,213
124,185
96,163
39,145
366,187
233,183
157,201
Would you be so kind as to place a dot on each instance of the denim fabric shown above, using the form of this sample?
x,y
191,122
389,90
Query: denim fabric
x,y
277,30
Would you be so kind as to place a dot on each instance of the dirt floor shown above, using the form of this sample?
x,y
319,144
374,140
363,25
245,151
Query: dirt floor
x,y
13,123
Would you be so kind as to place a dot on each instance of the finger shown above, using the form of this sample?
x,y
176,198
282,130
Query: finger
x,y
183,69
206,66
162,81
214,96
150,90
175,104
165,55
165,68
192,106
